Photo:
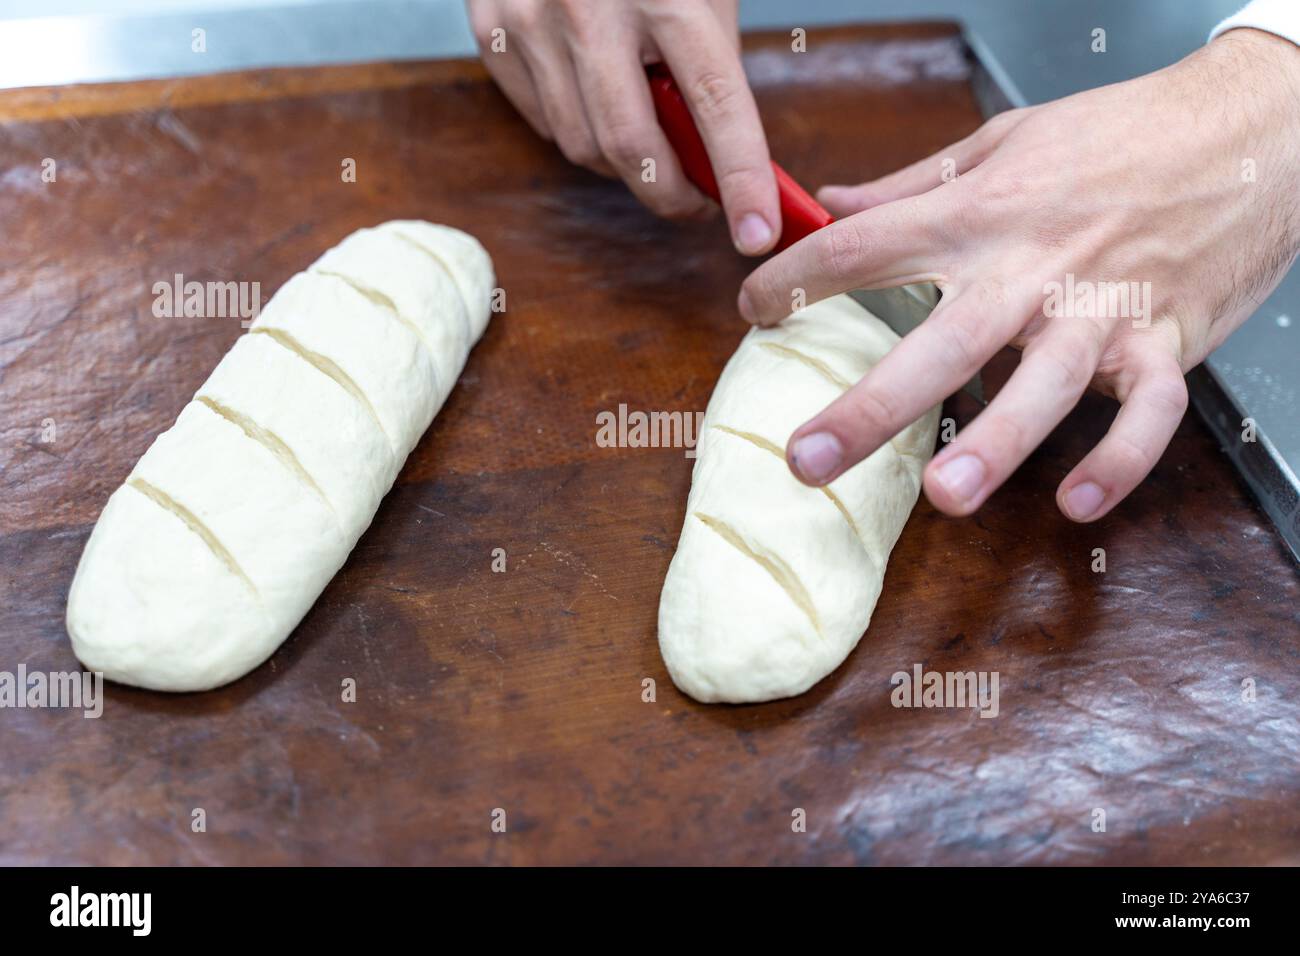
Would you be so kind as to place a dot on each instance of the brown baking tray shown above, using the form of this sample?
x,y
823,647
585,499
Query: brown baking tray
x,y
523,690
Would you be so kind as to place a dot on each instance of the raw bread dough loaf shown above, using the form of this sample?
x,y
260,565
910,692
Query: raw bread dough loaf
x,y
237,516
774,582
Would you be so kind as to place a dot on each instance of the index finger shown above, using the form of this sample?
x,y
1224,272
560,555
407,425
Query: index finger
x,y
708,71
928,365
894,244
622,116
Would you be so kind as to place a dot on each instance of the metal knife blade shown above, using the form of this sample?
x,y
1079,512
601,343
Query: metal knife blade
x,y
904,308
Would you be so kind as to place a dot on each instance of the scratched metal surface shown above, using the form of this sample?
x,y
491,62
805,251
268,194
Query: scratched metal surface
x,y
1119,691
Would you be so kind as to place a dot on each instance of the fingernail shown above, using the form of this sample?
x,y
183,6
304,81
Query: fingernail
x,y
1083,500
961,477
753,234
746,308
815,457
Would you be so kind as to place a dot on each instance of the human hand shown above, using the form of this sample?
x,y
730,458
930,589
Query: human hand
x,y
1181,187
575,69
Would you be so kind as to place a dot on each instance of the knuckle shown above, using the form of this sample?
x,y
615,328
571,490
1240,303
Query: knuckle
x,y
482,31
1070,369
962,341
714,94
482,21
584,29
624,145
1168,393
963,214
733,180
842,248
542,129
523,15
763,289
993,127
996,189
875,408
1128,459
992,293
1002,122
670,203
1008,435
579,149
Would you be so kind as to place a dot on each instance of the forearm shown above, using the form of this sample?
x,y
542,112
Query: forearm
x,y
1265,38
1258,75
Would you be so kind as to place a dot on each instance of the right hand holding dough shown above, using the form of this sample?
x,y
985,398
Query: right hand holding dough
x,y
575,70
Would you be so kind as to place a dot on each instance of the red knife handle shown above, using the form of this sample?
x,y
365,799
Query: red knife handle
x,y
800,213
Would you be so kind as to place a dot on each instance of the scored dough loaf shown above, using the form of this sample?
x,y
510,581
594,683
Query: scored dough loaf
x,y
237,517
774,582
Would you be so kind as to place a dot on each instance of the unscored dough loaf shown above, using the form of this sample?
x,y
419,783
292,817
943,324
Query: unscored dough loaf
x,y
238,516
774,582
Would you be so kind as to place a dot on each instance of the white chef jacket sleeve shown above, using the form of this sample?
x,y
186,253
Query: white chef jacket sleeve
x,y
1280,17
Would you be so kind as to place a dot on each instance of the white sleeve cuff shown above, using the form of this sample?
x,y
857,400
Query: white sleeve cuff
x,y
1281,17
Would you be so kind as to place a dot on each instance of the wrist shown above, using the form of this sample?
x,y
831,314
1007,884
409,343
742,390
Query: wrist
x,y
1262,66
1260,72
1280,55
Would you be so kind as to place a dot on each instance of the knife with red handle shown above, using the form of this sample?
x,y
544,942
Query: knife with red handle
x,y
902,308
800,213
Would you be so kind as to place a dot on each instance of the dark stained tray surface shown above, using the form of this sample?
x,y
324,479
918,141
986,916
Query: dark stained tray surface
x,y
1120,691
